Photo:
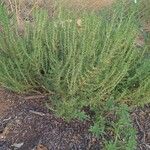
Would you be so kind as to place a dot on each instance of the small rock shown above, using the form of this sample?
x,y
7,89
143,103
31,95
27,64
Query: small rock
x,y
17,145
41,147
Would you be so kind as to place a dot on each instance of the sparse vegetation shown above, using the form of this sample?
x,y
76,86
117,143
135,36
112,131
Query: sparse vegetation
x,y
87,59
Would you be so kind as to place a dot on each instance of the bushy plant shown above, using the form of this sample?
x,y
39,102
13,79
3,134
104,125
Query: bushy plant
x,y
84,58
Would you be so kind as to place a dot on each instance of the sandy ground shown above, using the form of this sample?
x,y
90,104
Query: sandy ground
x,y
88,4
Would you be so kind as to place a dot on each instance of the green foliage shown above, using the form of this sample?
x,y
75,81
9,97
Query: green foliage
x,y
114,120
85,59
98,127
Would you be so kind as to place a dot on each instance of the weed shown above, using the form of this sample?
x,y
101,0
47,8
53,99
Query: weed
x,y
88,59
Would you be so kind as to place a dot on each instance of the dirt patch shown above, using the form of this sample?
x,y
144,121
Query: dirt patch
x,y
29,125
5,102
141,119
88,4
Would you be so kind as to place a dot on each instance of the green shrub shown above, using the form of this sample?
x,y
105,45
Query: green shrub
x,y
84,58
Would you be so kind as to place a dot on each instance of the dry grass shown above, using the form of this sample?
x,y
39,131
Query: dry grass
x,y
23,8
88,4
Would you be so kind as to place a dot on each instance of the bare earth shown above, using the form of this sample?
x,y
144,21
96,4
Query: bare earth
x,y
30,123
26,124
